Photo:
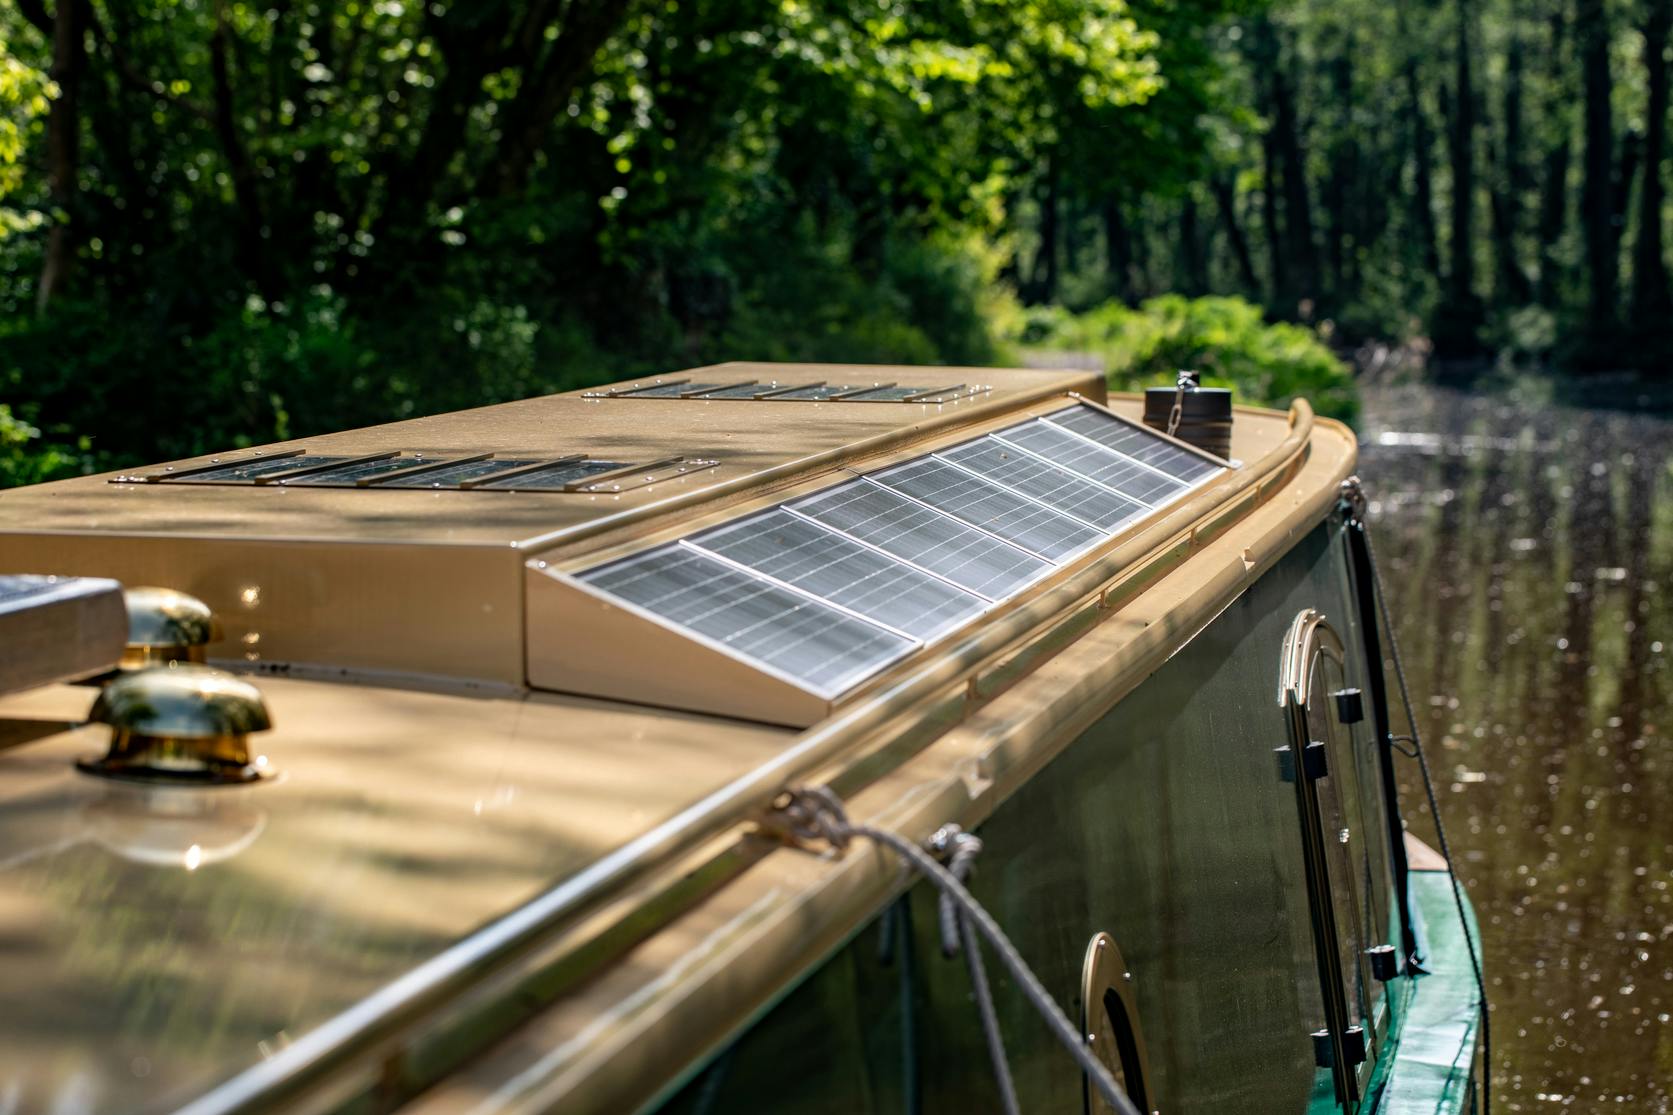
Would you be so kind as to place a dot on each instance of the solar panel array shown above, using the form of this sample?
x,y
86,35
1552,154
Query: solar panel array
x,y
828,589
495,472
775,391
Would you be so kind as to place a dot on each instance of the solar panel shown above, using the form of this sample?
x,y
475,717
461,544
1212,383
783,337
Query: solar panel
x,y
817,392
549,479
743,390
800,638
776,391
1093,461
1136,442
834,567
923,536
671,390
1030,476
964,495
828,589
346,476
247,472
451,476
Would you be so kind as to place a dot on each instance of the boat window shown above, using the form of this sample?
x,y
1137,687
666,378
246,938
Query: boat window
x,y
1110,1024
828,589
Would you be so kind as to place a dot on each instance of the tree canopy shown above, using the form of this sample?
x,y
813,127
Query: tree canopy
x,y
223,222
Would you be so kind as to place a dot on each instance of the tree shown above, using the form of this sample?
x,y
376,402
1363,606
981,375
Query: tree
x,y
1597,196
1652,307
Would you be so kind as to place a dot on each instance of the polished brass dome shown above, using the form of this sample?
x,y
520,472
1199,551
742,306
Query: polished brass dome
x,y
180,723
166,626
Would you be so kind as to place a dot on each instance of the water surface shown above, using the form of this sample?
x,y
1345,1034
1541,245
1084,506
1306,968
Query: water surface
x,y
1528,553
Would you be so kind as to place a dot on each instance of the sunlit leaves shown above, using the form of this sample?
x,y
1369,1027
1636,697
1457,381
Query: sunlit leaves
x,y
25,97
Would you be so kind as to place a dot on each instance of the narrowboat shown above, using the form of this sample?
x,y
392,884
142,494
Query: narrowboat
x,y
756,738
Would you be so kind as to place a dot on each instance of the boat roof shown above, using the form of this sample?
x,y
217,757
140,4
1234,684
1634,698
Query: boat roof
x,y
420,574
167,940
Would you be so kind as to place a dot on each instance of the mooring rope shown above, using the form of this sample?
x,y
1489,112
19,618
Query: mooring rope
x,y
958,935
815,814
1416,740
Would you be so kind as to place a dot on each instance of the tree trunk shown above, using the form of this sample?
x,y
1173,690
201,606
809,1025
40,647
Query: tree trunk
x,y
471,44
587,26
1554,198
1512,280
1423,168
1597,195
1046,265
1298,211
1226,199
1461,265
253,230
1118,251
1190,241
1343,170
1632,147
1277,273
63,146
1652,305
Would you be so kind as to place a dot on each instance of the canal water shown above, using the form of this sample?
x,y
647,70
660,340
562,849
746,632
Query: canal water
x,y
1527,549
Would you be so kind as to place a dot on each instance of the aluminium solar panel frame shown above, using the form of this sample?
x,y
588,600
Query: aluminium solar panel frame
x,y
1178,443
633,655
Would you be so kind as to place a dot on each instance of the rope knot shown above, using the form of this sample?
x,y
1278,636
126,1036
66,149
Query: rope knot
x,y
809,816
958,850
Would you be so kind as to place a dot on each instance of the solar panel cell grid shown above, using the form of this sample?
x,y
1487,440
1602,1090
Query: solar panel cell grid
x,y
249,471
1057,488
1136,442
1022,522
888,394
818,392
818,646
828,589
549,479
451,476
346,475
1093,461
836,568
923,536
670,390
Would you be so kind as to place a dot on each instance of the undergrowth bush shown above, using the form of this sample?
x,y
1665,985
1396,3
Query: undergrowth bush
x,y
1226,339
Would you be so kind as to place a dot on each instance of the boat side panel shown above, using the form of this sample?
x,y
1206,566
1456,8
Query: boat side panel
x,y
1165,824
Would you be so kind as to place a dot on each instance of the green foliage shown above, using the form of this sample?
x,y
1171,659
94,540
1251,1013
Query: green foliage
x,y
1226,339
293,218
25,93
25,458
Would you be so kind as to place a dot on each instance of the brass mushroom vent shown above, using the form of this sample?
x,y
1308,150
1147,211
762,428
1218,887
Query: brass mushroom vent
x,y
166,626
182,724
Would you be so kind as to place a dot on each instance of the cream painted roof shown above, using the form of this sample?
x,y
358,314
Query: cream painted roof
x,y
408,813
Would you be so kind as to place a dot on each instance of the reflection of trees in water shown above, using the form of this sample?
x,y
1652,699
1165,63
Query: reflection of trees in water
x,y
1526,556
